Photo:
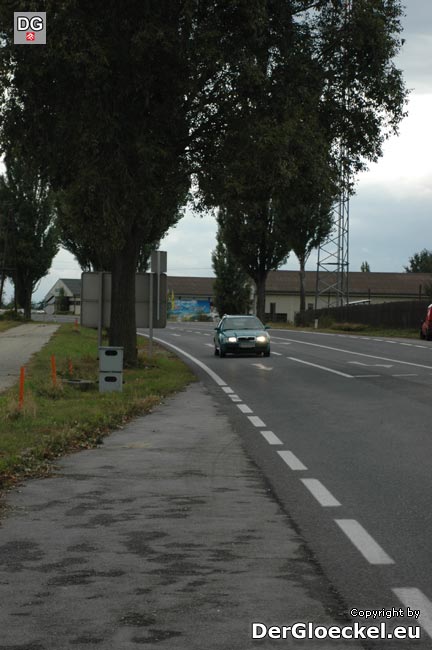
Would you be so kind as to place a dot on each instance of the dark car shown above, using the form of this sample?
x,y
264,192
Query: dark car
x,y
426,326
241,334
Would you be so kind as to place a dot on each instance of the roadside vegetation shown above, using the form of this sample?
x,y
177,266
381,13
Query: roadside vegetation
x,y
10,319
56,417
353,328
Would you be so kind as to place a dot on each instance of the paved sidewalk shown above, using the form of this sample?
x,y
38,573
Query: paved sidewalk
x,y
165,536
16,347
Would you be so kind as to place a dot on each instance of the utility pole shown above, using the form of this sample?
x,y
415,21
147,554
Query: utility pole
x,y
332,287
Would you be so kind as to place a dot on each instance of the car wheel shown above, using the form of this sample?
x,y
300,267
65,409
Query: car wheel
x,y
267,354
422,336
216,351
222,353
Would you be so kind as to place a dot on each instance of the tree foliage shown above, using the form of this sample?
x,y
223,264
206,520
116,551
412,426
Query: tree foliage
x,y
288,88
365,268
420,262
232,290
104,106
28,223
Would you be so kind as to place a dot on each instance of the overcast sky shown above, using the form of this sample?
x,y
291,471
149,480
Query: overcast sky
x,y
391,213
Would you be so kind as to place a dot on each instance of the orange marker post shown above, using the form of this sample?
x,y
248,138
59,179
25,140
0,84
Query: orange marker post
x,y
70,367
53,370
76,325
21,388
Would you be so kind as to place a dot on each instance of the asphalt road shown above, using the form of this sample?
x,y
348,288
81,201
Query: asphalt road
x,y
340,426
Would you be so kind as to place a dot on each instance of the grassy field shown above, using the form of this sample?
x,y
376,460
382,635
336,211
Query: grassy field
x,y
56,418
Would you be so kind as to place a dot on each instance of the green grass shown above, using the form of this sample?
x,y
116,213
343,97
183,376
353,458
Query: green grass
x,y
8,324
56,419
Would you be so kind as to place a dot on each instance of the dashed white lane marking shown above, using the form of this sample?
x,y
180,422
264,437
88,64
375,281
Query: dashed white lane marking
x,y
244,408
360,376
415,599
256,421
227,389
320,492
235,398
315,365
277,354
366,544
292,461
172,334
271,438
209,345
361,354
406,375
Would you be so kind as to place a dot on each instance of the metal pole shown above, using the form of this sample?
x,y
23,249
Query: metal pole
x,y
150,350
158,288
100,315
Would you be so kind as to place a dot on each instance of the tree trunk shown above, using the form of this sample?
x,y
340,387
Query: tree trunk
x,y
260,282
302,275
122,331
23,294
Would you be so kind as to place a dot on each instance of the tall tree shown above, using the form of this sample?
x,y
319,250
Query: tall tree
x,y
263,106
420,262
232,290
27,207
104,106
278,96
365,268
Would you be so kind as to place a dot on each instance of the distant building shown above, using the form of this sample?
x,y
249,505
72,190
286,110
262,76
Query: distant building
x,y
283,290
71,289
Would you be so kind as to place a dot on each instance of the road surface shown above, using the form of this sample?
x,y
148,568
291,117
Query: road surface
x,y
340,426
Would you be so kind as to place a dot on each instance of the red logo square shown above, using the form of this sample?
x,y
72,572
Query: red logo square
x,y
30,36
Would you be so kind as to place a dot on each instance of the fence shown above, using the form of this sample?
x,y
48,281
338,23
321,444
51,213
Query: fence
x,y
397,315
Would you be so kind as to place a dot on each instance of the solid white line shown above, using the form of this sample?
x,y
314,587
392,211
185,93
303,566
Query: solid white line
x,y
291,460
271,438
360,354
256,421
415,599
406,375
244,408
366,544
209,371
360,376
227,389
320,492
315,365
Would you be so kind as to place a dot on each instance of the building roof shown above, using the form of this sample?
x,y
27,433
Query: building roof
x,y
73,284
186,286
288,282
398,284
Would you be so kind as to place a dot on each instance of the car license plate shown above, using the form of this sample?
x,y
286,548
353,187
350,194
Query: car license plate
x,y
247,344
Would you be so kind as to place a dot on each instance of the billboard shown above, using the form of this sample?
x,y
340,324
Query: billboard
x,y
97,285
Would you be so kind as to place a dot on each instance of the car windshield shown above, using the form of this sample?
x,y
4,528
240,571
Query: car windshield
x,y
242,323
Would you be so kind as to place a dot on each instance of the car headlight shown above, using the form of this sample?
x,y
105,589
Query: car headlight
x,y
232,339
262,339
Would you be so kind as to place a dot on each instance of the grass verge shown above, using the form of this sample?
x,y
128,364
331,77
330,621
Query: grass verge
x,y
357,329
56,419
